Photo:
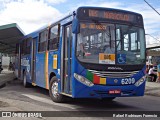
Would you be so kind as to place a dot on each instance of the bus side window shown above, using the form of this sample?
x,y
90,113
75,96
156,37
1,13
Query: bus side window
x,y
43,36
53,41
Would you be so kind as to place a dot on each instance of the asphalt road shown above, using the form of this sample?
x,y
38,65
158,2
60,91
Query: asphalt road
x,y
14,97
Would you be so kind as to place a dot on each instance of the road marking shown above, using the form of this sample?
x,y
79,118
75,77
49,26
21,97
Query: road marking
x,y
45,100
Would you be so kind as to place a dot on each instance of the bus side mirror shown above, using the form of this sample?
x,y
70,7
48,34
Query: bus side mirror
x,y
75,26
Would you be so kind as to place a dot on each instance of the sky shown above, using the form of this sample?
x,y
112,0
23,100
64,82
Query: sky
x,y
33,14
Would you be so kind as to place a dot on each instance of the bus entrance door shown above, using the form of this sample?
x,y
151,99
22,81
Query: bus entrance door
x,y
67,84
33,61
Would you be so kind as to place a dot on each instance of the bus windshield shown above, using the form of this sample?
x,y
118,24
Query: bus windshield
x,y
104,43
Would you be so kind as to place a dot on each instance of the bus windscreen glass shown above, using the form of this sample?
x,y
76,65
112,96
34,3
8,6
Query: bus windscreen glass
x,y
104,43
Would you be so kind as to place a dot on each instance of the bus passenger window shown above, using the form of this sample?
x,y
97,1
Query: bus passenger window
x,y
53,41
42,41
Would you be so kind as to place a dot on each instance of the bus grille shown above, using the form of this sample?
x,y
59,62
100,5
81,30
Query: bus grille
x,y
113,74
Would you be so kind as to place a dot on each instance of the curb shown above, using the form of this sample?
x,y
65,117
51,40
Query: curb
x,y
8,78
152,91
3,83
152,94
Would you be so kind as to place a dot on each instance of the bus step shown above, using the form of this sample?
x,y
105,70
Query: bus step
x,y
66,94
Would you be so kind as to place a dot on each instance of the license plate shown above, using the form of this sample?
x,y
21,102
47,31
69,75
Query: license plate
x,y
114,91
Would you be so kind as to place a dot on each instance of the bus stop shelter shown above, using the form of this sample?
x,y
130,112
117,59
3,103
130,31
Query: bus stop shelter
x,y
10,35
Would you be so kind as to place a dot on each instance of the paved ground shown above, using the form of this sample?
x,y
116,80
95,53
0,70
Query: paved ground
x,y
152,88
14,97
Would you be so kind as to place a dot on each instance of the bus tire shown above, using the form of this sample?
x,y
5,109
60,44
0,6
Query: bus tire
x,y
25,83
53,91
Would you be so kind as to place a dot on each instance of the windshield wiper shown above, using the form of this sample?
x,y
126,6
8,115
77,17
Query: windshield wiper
x,y
110,37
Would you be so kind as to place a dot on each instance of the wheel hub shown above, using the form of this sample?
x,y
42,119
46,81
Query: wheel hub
x,y
55,89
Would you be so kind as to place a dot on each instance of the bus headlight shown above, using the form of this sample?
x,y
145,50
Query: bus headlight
x,y
140,81
83,80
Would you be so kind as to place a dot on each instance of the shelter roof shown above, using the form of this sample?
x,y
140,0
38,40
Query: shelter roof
x,y
10,35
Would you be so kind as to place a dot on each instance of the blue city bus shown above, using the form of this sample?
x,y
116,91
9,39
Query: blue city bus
x,y
92,53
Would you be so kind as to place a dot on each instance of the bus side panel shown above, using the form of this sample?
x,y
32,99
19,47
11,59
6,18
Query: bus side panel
x,y
17,70
40,66
54,67
26,67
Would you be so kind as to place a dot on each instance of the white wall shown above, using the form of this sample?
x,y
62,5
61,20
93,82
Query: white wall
x,y
5,61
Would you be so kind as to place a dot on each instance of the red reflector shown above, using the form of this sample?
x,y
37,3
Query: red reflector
x,y
114,91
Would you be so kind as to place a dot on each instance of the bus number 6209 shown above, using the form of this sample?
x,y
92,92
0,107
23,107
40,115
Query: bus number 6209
x,y
127,81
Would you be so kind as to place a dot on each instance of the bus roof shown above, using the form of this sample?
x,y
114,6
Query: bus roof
x,y
109,15
106,8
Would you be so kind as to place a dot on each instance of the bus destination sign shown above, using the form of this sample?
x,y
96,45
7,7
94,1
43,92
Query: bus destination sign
x,y
109,14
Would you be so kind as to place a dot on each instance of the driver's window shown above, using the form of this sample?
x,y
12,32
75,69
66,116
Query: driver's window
x,y
126,42
134,42
118,39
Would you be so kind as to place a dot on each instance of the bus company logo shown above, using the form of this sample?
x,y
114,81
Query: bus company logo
x,y
116,81
114,68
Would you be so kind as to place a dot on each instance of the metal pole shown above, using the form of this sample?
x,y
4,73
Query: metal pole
x,y
152,37
152,7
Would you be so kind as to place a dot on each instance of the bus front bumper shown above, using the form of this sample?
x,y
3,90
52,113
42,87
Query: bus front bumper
x,y
99,91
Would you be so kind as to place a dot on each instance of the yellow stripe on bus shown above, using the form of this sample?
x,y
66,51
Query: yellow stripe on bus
x,y
46,70
54,61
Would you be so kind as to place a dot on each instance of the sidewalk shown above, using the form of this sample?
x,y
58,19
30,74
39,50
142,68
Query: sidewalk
x,y
6,76
152,88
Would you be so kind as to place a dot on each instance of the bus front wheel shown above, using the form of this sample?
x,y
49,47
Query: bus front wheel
x,y
53,91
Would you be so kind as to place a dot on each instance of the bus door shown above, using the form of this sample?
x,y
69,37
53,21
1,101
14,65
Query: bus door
x,y
33,60
67,60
